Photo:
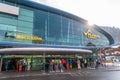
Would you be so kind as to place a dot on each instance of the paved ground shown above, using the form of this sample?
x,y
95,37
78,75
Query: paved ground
x,y
84,74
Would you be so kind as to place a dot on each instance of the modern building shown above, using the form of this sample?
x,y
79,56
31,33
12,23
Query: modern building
x,y
114,32
31,30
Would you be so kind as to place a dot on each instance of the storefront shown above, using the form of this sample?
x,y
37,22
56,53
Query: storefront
x,y
37,58
34,62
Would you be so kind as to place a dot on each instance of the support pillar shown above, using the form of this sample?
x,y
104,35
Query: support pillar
x,y
44,61
1,64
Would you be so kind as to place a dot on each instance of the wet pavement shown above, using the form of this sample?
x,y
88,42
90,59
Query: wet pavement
x,y
84,74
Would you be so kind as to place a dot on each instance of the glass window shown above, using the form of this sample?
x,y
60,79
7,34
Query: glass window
x,y
7,27
8,16
54,25
7,30
8,21
65,23
26,12
24,30
2,33
25,24
25,18
41,24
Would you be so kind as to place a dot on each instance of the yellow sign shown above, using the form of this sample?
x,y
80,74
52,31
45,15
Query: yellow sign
x,y
24,37
91,35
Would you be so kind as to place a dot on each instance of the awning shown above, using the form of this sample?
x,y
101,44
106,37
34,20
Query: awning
x,y
41,50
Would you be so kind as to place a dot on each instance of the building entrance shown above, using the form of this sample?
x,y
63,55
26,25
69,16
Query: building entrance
x,y
9,64
37,62
22,62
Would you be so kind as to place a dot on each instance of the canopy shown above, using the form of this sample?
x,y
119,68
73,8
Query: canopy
x,y
41,50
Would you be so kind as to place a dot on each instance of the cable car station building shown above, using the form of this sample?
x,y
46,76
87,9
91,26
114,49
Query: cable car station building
x,y
37,32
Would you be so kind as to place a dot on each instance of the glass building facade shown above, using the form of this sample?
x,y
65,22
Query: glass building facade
x,y
26,23
44,26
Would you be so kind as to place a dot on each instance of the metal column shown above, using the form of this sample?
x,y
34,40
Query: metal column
x,y
1,64
44,60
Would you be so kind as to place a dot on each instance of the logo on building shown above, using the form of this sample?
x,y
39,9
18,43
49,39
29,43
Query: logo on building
x,y
90,35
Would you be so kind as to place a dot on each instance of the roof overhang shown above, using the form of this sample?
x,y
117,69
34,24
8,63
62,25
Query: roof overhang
x,y
41,50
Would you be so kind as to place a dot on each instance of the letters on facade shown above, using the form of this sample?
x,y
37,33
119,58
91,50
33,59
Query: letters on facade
x,y
11,34
91,35
24,37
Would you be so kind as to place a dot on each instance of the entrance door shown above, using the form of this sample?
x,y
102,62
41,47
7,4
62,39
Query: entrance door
x,y
37,63
9,64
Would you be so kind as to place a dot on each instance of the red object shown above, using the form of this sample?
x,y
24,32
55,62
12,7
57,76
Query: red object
x,y
67,66
63,61
20,68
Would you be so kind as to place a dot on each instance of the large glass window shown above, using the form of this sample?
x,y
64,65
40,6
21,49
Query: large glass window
x,y
51,27
41,25
54,25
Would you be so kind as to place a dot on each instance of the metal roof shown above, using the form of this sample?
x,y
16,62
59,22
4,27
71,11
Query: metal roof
x,y
49,45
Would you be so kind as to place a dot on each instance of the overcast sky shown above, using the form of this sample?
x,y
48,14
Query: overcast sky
x,y
99,12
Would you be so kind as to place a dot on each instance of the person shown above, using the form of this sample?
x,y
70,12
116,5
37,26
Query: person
x,y
63,62
29,66
60,66
85,63
56,66
90,62
78,64
70,61
67,64
20,68
17,65
97,64
47,64
81,63
51,65
7,65
24,64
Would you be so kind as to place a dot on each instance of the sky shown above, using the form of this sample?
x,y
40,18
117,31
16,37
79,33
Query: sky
x,y
99,12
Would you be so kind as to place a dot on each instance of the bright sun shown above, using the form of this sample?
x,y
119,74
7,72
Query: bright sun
x,y
90,23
